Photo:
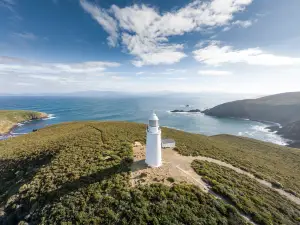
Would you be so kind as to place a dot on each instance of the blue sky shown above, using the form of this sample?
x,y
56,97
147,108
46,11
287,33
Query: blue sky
x,y
234,46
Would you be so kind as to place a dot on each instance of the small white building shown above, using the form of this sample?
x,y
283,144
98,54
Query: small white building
x,y
168,143
153,142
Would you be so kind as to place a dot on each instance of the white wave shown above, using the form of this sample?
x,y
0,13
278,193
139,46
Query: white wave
x,y
50,117
186,113
20,124
269,135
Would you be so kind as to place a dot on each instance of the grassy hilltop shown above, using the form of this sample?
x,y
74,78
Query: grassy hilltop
x,y
10,118
79,172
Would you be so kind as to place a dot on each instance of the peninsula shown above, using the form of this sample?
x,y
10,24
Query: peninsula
x,y
281,108
10,118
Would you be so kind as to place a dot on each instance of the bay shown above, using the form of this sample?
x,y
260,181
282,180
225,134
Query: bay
x,y
137,109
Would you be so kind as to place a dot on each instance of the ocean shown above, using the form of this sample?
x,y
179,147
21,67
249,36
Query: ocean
x,y
138,109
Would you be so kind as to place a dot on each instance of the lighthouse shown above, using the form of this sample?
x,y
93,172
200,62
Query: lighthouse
x,y
153,143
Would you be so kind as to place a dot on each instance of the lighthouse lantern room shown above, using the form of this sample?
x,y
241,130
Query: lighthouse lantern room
x,y
153,143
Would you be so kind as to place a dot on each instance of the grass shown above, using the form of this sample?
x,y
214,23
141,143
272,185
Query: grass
x,y
262,204
79,173
10,118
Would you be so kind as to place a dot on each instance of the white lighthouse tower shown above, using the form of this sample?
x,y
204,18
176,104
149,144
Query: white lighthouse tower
x,y
153,144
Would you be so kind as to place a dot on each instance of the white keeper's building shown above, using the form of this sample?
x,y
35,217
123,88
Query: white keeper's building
x,y
168,143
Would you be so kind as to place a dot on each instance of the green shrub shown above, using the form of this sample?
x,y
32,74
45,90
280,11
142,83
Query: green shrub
x,y
262,204
79,173
171,179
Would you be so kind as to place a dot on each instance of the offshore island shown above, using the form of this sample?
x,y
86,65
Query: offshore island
x,y
95,173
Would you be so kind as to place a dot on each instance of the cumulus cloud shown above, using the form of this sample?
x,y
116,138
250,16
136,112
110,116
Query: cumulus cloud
x,y
215,54
145,31
214,72
51,71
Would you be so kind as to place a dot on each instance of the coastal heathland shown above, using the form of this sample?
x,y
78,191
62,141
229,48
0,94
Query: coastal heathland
x,y
261,204
79,172
10,118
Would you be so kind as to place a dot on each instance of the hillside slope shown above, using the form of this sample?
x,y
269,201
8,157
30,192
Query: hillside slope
x,y
280,108
79,173
10,118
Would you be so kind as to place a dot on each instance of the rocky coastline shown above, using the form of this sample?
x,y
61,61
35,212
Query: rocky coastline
x,y
186,111
280,108
9,119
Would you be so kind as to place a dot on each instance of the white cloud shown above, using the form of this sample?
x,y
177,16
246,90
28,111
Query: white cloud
x,y
24,84
239,23
117,78
214,72
226,29
215,54
140,73
176,70
104,19
170,71
244,24
25,68
26,36
44,77
176,78
144,31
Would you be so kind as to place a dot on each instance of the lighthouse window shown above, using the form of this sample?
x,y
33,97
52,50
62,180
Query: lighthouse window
x,y
153,123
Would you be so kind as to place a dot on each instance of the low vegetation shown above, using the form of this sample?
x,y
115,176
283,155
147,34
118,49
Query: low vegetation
x,y
267,161
10,118
262,204
79,173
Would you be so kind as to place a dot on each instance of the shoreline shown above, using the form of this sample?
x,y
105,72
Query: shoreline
x,y
271,126
14,125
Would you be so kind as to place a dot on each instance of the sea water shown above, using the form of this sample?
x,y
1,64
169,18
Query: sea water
x,y
137,109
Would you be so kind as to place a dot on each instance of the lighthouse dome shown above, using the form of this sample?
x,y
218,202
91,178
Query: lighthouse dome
x,y
153,116
153,120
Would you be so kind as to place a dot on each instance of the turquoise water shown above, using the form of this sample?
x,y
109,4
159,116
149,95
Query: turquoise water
x,y
138,109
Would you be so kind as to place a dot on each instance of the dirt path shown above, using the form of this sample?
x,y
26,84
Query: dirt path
x,y
238,170
179,168
174,166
